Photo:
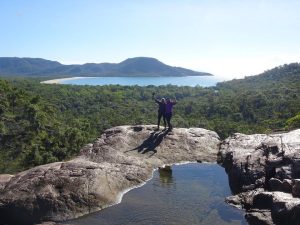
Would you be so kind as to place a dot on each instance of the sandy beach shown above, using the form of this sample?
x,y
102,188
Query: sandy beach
x,y
58,81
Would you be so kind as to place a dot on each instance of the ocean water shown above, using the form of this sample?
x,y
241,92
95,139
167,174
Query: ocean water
x,y
182,194
204,81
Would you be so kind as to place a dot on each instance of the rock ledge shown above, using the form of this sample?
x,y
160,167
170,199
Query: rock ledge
x,y
122,158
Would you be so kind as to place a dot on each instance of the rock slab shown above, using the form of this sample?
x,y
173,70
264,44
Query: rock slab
x,y
264,173
122,158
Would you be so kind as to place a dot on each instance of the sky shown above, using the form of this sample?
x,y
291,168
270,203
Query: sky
x,y
228,38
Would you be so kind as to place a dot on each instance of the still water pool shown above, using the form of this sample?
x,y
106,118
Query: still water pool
x,y
182,194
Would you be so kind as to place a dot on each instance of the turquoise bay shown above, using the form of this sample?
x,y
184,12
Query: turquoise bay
x,y
204,81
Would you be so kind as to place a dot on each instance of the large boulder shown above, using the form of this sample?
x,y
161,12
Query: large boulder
x,y
283,207
122,158
264,172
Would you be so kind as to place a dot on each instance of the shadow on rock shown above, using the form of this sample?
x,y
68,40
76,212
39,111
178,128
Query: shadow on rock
x,y
151,142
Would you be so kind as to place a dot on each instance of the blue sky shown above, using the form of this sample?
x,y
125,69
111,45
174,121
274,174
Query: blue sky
x,y
229,38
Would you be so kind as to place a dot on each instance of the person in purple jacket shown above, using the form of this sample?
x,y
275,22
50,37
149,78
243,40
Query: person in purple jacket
x,y
169,110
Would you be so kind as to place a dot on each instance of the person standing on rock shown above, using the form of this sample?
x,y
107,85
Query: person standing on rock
x,y
169,111
161,110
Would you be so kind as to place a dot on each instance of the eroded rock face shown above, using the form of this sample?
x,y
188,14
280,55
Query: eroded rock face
x,y
120,159
264,172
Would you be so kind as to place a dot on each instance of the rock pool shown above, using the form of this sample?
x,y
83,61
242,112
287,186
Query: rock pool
x,y
182,194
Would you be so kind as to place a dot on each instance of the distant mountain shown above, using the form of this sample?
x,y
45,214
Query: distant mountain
x,y
25,66
139,66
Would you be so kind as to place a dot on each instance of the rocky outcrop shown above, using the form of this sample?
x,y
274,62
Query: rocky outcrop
x,y
264,173
122,158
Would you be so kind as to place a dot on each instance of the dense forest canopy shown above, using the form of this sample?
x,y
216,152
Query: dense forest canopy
x,y
42,123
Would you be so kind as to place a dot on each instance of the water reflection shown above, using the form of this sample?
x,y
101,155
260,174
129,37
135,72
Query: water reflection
x,y
165,175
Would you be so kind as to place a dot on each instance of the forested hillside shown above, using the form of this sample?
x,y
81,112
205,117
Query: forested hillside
x,y
42,123
138,66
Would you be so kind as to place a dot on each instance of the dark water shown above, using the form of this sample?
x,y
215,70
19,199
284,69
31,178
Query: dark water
x,y
204,81
186,194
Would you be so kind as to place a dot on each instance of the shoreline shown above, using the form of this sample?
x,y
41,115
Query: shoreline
x,y
59,80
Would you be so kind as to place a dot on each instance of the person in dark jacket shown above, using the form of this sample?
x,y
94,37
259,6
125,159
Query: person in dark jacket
x,y
169,111
161,110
